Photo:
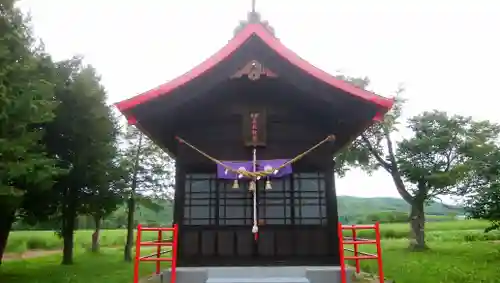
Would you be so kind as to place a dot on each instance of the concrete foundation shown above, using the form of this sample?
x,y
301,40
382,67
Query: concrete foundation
x,y
256,274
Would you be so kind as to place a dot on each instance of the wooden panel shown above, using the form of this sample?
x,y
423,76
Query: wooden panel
x,y
208,243
245,242
229,130
302,242
190,243
284,243
276,245
266,242
226,243
319,242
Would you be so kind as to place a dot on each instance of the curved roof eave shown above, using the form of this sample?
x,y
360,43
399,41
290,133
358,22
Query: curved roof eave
x,y
385,104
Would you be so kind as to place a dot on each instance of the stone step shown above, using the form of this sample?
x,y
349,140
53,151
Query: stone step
x,y
257,272
259,280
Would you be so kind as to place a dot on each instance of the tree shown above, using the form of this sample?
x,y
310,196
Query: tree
x,y
150,174
105,195
375,148
483,196
26,102
83,139
435,159
430,164
104,191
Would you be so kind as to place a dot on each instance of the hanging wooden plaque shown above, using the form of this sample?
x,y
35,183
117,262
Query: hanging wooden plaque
x,y
254,127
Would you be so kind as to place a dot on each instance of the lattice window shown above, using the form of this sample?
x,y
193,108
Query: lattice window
x,y
295,200
200,199
309,198
275,205
235,205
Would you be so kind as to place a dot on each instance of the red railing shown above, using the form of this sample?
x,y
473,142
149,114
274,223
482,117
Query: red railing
x,y
158,244
355,241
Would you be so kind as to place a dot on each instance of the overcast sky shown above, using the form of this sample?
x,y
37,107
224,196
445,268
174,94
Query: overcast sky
x,y
446,53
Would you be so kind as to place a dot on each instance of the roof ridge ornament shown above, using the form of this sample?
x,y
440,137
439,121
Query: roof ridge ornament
x,y
254,70
254,17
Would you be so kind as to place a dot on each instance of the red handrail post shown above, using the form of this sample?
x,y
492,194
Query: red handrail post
x,y
343,276
358,267
159,244
137,254
158,252
379,253
175,243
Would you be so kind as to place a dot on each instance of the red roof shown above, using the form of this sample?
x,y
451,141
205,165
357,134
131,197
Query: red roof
x,y
279,48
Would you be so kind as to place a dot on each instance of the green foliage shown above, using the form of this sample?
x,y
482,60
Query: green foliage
x,y
149,174
435,157
483,196
82,139
149,171
26,102
374,149
438,159
156,213
83,134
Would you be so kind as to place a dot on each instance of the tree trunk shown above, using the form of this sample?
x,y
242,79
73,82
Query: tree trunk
x,y
68,227
417,225
95,235
7,217
130,229
131,204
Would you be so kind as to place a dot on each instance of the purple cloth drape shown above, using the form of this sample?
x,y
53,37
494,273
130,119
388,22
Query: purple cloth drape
x,y
262,165
275,163
222,173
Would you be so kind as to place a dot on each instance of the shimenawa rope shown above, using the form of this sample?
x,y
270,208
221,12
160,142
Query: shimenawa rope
x,y
256,174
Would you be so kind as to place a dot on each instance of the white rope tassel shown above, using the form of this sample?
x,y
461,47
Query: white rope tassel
x,y
255,228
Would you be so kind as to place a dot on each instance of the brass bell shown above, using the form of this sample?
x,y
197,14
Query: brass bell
x,y
252,187
268,185
235,184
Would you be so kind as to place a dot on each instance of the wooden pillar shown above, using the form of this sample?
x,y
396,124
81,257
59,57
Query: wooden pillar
x,y
180,181
332,212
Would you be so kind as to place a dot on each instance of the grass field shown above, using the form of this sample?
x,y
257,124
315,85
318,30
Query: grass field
x,y
106,267
460,253
21,241
445,262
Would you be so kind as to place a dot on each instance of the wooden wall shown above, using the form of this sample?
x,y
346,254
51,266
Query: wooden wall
x,y
215,126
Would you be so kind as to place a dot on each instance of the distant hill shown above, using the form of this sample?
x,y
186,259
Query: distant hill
x,y
351,210
350,206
